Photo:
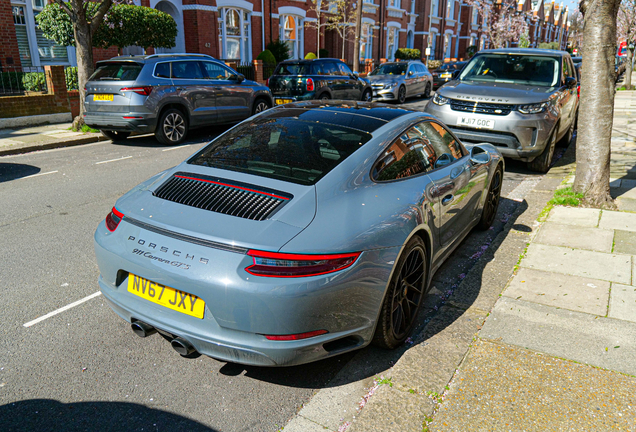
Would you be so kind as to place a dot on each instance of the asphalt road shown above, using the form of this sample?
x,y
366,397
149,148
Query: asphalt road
x,y
83,369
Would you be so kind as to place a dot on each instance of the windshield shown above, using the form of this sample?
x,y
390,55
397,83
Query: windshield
x,y
286,149
390,69
293,69
514,69
116,72
450,66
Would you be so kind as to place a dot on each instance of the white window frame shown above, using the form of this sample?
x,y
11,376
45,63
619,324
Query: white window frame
x,y
435,8
244,40
299,42
394,28
450,9
368,43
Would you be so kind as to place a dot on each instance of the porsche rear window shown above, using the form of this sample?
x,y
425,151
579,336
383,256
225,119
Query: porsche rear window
x,y
285,149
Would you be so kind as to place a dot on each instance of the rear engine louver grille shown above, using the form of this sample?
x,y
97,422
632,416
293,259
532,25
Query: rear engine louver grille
x,y
222,196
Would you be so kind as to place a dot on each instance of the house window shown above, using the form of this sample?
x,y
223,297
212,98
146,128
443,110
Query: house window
x,y
366,42
21,33
450,9
447,45
48,50
292,34
392,41
433,45
475,15
435,8
234,34
395,3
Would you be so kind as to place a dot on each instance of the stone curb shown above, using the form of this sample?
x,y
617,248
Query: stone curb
x,y
52,145
455,335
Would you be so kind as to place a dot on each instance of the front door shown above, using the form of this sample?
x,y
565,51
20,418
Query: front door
x,y
194,89
232,98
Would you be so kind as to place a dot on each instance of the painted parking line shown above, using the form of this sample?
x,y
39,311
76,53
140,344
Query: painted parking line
x,y
113,160
178,147
62,309
40,174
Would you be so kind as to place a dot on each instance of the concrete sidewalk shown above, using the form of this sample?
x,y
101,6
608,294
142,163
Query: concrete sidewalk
x,y
33,138
558,349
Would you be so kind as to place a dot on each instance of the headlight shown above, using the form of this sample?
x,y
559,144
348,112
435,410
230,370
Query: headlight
x,y
390,85
532,108
440,100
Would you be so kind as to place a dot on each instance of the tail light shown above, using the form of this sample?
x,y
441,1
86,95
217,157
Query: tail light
x,y
578,91
274,264
267,82
144,91
296,336
113,219
310,84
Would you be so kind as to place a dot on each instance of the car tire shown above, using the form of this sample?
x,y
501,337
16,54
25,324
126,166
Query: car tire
x,y
324,97
491,205
565,141
541,163
115,136
367,96
427,91
404,296
260,105
172,127
401,96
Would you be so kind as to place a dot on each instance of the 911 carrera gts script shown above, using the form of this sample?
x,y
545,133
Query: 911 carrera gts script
x,y
147,254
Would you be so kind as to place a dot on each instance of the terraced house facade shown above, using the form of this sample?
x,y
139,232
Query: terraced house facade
x,y
240,29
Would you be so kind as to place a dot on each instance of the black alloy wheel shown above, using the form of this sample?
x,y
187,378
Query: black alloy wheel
x,y
427,91
324,97
404,296
172,128
492,201
402,94
260,106
367,95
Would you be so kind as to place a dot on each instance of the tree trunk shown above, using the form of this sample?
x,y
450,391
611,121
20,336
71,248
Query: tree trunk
x,y
356,39
84,51
343,41
596,112
318,38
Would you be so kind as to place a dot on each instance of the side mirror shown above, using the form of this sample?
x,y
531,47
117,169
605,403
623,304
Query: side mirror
x,y
355,75
239,78
410,73
479,156
570,82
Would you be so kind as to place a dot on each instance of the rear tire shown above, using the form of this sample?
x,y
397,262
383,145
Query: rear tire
x,y
492,201
260,105
404,296
172,127
541,163
427,91
115,136
567,138
367,96
324,97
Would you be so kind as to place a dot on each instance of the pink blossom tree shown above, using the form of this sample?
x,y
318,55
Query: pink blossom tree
x,y
626,31
503,23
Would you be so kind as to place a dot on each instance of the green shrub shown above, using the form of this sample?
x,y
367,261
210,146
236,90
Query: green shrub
x,y
310,56
549,45
267,57
71,78
408,54
434,64
471,50
324,52
279,49
34,81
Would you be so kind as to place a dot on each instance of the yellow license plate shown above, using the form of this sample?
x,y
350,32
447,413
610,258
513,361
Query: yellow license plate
x,y
283,101
103,97
445,75
165,296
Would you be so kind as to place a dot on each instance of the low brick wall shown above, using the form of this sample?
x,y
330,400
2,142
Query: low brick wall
x,y
19,106
73,98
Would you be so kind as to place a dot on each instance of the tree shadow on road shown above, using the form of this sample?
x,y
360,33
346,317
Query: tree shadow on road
x,y
195,136
47,415
13,171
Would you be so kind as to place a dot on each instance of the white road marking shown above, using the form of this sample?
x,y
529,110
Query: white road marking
x,y
40,174
62,309
113,160
522,189
178,147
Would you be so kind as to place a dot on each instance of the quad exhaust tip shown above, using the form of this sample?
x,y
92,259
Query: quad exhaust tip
x,y
142,329
182,346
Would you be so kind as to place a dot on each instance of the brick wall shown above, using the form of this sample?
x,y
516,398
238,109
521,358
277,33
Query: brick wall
x,y
10,56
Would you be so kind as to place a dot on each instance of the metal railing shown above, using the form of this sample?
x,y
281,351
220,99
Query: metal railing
x,y
246,69
15,80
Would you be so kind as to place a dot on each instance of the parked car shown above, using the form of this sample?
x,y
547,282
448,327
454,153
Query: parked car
x,y
299,80
521,100
395,81
577,60
305,232
447,72
168,94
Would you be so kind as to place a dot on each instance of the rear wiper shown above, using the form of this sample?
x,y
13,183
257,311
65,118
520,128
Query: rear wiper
x,y
110,78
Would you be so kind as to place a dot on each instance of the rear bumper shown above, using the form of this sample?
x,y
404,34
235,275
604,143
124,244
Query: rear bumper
x,y
143,123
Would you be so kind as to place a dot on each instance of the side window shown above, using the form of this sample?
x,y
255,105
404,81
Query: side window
x,y
344,69
186,70
406,157
162,70
216,71
441,147
317,69
330,68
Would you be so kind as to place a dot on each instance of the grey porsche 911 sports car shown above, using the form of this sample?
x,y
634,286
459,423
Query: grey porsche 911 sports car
x,y
306,231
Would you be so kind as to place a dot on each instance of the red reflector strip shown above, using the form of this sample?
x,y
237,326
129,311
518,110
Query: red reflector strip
x,y
233,186
133,117
296,336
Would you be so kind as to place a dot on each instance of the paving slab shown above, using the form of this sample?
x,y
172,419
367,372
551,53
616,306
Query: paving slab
x,y
383,415
575,216
301,424
504,388
618,220
626,204
578,262
558,290
563,333
625,242
623,302
578,237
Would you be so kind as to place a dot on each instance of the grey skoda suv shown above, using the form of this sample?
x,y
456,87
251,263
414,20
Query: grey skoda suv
x,y
167,94
521,100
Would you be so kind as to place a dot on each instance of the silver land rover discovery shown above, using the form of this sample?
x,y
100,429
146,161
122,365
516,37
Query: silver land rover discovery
x,y
521,100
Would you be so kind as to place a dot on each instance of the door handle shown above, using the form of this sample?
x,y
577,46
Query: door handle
x,y
180,88
456,172
448,199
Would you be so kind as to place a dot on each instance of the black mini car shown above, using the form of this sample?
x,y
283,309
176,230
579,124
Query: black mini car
x,y
446,73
